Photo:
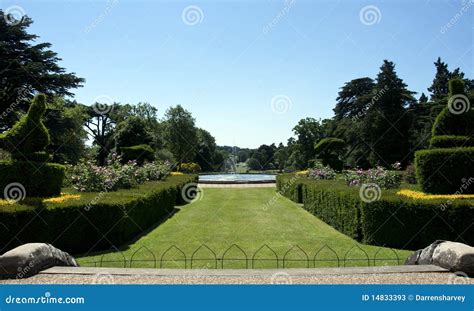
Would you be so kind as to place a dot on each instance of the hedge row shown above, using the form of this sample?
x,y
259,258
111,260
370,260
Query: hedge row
x,y
36,178
392,221
445,170
450,141
79,226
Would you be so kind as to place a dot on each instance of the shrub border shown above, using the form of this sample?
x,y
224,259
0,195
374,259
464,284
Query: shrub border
x,y
392,221
80,227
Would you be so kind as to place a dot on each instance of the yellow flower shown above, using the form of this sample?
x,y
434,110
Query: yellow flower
x,y
425,196
7,202
176,174
62,198
302,173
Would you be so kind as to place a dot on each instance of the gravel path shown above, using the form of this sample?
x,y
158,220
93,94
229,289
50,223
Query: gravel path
x,y
266,185
395,278
381,275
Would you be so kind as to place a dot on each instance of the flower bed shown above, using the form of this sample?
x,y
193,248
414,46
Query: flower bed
x,y
87,177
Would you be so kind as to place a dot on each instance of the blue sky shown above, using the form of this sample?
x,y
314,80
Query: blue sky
x,y
227,65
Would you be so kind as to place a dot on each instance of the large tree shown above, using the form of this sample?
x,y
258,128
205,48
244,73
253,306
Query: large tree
x,y
132,131
26,68
354,98
180,134
65,123
439,87
386,126
206,153
100,125
308,131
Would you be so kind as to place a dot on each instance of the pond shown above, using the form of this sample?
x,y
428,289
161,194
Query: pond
x,y
236,178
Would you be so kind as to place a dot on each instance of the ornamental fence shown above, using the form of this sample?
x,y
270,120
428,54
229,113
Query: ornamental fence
x,y
324,256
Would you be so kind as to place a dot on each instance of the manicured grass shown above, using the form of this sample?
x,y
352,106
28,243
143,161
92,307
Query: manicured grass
x,y
250,218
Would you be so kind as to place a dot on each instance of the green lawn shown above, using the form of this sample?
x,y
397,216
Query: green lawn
x,y
250,218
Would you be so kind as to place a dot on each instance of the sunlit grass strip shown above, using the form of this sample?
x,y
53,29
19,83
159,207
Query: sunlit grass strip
x,y
425,196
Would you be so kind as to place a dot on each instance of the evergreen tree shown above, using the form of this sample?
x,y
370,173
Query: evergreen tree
x,y
354,98
439,87
26,69
386,126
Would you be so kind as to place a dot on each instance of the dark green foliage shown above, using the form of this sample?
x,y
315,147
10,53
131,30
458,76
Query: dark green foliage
x,y
392,221
354,98
459,124
206,154
65,123
415,224
328,145
38,179
456,86
180,133
190,168
132,131
451,141
445,171
262,158
28,67
447,123
410,175
139,153
78,226
308,131
28,136
329,150
386,126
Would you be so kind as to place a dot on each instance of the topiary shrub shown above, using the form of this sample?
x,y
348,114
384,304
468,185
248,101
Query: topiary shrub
x,y
190,168
139,153
26,141
451,141
444,171
30,179
329,150
456,118
28,138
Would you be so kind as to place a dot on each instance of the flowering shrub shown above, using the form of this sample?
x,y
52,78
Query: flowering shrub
x,y
87,177
380,176
321,172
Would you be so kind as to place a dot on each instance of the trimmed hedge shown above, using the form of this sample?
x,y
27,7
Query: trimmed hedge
x,y
38,179
445,170
451,141
79,226
392,221
139,153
